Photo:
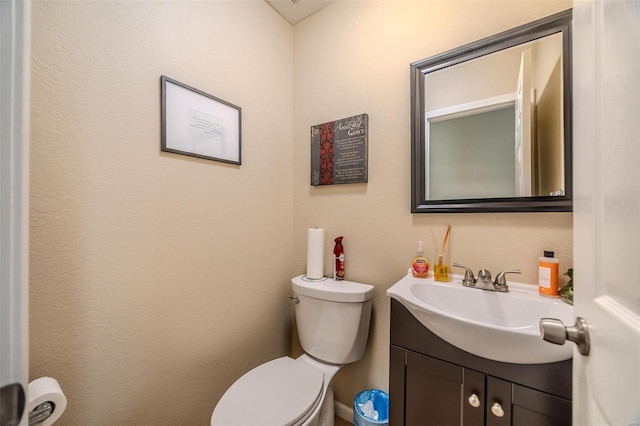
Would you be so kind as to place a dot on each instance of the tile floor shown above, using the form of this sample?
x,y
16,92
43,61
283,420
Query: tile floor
x,y
342,422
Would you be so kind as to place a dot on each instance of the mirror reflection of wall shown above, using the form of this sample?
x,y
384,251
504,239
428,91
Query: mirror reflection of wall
x,y
549,122
474,156
494,128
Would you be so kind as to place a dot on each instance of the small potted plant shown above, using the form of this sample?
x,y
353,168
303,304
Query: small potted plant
x,y
566,292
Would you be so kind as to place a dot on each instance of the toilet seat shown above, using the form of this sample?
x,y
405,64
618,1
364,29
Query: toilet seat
x,y
279,392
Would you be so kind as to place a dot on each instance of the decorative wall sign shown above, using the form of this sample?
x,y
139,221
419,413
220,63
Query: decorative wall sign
x,y
339,151
197,124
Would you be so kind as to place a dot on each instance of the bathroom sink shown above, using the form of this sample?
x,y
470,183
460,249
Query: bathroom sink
x,y
499,326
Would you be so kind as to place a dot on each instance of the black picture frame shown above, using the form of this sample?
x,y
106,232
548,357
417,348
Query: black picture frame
x,y
198,124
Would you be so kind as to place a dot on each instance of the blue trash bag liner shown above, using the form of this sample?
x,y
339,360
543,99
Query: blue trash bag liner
x,y
363,401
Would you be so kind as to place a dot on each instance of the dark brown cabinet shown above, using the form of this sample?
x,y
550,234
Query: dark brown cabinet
x,y
434,383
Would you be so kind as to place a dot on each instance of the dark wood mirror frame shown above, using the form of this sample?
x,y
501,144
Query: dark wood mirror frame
x,y
558,23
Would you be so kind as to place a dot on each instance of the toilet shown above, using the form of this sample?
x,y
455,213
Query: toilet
x,y
332,318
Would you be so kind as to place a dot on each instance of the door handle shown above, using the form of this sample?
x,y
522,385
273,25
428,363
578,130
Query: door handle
x,y
12,403
554,331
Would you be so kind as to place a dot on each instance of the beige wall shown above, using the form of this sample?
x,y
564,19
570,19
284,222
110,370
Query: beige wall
x,y
353,57
490,76
156,279
549,116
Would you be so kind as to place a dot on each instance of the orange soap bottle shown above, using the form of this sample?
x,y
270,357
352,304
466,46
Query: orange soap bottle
x,y
420,264
548,275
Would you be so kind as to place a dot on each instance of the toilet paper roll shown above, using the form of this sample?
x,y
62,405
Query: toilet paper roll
x,y
47,389
315,253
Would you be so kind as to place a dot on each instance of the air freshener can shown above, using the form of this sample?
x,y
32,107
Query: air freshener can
x,y
338,263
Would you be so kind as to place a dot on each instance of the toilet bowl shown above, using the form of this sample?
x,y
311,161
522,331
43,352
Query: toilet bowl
x,y
257,397
332,318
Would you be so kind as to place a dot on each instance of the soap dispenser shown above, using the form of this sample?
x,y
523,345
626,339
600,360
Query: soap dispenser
x,y
548,275
420,265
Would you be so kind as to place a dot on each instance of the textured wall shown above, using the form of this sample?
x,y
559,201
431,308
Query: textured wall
x,y
148,289
352,58
156,279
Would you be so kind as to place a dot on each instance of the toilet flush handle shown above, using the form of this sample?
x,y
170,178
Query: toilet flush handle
x,y
294,299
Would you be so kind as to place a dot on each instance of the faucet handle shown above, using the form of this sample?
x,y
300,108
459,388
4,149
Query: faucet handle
x,y
501,281
469,280
484,275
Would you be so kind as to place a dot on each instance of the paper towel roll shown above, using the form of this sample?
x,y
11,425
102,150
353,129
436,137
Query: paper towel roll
x,y
47,389
315,253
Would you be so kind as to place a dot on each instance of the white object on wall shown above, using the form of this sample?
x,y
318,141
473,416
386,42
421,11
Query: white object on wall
x,y
47,390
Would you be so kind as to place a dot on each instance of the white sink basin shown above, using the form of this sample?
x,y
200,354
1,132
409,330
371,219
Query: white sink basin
x,y
498,326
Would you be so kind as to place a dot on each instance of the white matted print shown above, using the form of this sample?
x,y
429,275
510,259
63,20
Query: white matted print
x,y
200,125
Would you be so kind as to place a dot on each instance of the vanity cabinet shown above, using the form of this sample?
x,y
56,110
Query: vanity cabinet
x,y
434,383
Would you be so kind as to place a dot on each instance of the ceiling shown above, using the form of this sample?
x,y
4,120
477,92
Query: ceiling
x,y
296,10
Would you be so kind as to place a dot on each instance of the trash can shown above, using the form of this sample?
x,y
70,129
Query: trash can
x,y
371,407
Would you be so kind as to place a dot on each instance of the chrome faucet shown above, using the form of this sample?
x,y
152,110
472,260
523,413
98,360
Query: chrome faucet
x,y
484,277
469,279
500,284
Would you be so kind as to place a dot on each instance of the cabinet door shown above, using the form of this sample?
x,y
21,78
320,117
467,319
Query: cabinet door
x,y
512,404
473,397
433,391
535,408
498,402
396,385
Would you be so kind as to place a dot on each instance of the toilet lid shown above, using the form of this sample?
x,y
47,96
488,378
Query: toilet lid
x,y
279,392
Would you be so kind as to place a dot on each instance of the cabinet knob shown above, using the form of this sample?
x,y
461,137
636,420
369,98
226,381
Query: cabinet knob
x,y
497,410
474,401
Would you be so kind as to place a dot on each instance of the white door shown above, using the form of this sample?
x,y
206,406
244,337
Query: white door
x,y
14,195
606,140
524,122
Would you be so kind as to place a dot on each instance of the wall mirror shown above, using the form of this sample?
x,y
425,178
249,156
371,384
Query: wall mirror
x,y
491,123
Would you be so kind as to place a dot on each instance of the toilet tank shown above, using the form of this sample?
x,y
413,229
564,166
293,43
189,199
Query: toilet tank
x,y
332,318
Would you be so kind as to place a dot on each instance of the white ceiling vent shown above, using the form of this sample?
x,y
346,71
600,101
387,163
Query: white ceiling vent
x,y
296,10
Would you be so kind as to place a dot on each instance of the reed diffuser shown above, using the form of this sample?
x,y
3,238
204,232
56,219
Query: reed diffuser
x,y
441,263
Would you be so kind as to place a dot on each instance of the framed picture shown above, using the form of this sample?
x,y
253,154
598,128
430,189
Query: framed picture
x,y
339,151
200,125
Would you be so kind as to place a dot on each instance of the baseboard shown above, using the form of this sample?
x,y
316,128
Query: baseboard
x,y
343,411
